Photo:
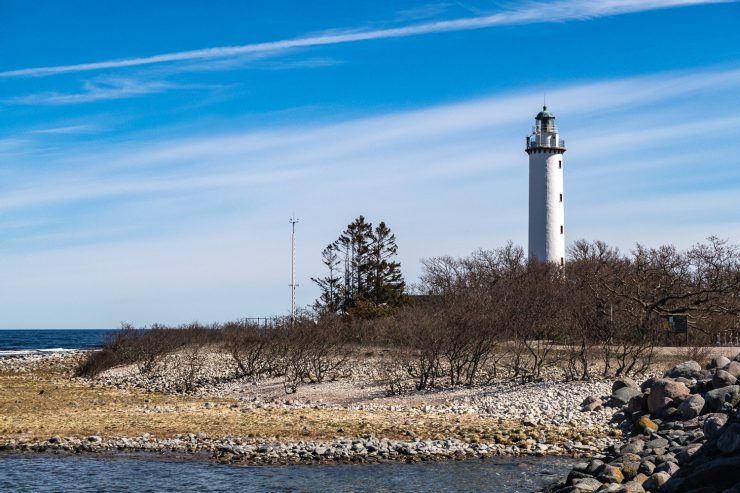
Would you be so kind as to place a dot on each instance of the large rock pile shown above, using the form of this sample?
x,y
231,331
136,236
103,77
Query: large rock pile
x,y
682,435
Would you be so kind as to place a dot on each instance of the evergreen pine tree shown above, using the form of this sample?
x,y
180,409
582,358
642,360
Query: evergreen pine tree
x,y
386,281
372,282
330,286
354,245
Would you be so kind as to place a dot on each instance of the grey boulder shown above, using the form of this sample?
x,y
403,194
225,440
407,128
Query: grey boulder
x,y
687,369
729,441
733,369
718,397
691,407
636,404
591,403
622,382
719,362
622,395
722,379
713,424
586,484
657,480
664,391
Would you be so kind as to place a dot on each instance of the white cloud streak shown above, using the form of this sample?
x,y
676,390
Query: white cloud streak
x,y
530,12
101,90
65,130
450,139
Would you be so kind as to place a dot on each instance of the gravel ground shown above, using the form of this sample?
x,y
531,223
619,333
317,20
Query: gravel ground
x,y
541,418
550,402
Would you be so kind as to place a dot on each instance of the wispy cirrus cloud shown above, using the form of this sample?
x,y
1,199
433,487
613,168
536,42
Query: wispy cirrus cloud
x,y
66,129
430,139
527,13
101,90
425,11
313,62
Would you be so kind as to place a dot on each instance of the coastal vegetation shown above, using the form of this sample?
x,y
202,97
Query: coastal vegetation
x,y
472,320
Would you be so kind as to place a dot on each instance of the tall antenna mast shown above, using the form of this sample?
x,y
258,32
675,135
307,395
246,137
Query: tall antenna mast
x,y
293,285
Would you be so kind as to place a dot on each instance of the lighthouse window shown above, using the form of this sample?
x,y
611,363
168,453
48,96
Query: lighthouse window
x,y
560,164
561,197
562,262
561,229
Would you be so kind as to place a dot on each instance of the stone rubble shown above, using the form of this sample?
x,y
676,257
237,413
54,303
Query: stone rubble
x,y
682,435
537,402
366,449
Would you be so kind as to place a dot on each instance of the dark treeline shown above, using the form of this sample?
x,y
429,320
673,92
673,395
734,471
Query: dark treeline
x,y
362,275
473,319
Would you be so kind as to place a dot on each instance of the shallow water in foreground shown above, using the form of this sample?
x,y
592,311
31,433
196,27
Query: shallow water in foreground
x,y
144,473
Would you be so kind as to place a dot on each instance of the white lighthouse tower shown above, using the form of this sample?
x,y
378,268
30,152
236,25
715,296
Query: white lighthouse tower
x,y
546,211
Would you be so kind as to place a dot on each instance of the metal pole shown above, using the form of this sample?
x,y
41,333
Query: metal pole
x,y
293,285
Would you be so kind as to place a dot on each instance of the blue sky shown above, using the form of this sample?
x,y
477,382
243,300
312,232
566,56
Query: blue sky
x,y
151,153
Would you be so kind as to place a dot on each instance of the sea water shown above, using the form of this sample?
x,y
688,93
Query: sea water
x,y
148,473
19,342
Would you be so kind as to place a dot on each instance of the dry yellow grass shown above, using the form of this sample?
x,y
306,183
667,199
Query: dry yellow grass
x,y
46,402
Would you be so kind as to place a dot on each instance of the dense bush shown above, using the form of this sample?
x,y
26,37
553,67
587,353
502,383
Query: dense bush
x,y
300,351
147,348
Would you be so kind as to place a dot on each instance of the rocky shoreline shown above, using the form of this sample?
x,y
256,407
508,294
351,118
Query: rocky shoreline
x,y
254,452
500,419
682,435
681,431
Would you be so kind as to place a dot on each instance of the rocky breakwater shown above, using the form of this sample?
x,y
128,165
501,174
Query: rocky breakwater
x,y
367,449
682,435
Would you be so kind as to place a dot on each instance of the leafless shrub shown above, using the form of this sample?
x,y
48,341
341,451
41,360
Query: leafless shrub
x,y
634,346
249,346
393,374
422,332
116,351
538,320
146,348
325,354
190,364
309,351
497,364
150,349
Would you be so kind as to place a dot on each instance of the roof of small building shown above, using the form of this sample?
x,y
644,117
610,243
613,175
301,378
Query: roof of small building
x,y
544,114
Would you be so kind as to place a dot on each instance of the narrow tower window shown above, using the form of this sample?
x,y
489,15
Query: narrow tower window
x,y
560,164
562,262
561,229
561,197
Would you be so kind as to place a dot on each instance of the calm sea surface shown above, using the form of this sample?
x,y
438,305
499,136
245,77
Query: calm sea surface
x,y
21,341
142,473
